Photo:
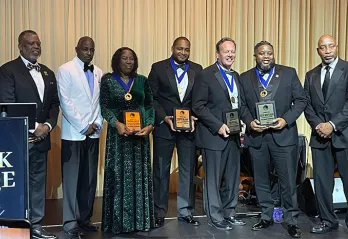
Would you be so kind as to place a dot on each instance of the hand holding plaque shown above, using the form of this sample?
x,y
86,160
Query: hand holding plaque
x,y
266,112
231,119
132,119
182,119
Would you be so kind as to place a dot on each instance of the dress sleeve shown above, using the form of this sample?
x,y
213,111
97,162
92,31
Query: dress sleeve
x,y
105,101
148,104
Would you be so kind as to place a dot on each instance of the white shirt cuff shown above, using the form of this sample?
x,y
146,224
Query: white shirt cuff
x,y
333,125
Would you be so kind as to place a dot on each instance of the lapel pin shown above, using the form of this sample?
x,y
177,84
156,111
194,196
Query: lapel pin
x,y
45,73
51,83
277,75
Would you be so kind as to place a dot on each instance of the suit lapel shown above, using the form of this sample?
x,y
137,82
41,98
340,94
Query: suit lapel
x,y
236,79
191,76
46,82
221,82
172,79
316,79
275,80
82,78
336,75
255,83
24,71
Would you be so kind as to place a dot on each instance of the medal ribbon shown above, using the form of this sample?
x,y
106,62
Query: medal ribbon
x,y
176,73
264,82
230,85
125,86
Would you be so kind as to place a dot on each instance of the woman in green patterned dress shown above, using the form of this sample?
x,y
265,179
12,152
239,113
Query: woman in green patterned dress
x,y
128,199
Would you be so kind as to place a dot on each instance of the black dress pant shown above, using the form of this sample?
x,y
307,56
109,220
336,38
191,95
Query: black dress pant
x,y
37,184
163,153
323,173
221,181
79,177
284,159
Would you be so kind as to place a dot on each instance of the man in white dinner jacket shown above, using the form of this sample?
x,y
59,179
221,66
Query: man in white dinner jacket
x,y
78,89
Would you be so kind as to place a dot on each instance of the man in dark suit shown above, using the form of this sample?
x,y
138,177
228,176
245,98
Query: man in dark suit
x,y
216,95
24,80
327,91
277,142
171,81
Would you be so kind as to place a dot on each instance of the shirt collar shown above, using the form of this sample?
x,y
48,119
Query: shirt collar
x,y
81,63
25,61
224,68
332,64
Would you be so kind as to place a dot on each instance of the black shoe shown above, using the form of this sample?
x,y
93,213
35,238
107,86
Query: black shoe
x,y
42,233
223,225
294,231
145,230
322,228
75,232
234,221
262,224
159,222
189,219
89,227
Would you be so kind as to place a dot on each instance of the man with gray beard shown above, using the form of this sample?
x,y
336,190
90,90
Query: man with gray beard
x,y
269,88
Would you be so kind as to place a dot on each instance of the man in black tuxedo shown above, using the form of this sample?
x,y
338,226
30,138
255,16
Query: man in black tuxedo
x,y
277,142
24,80
171,81
215,95
326,88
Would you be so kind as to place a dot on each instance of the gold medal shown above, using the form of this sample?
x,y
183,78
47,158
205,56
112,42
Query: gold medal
x,y
127,96
233,99
263,93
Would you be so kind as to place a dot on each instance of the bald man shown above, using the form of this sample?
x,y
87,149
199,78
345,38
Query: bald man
x,y
78,89
326,88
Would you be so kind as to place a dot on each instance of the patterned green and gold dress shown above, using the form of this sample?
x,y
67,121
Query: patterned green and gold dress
x,y
128,200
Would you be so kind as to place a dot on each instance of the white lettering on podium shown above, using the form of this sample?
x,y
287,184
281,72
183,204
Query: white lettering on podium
x,y
3,160
7,179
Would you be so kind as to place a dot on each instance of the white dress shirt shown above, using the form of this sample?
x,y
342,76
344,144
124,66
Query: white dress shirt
x,y
40,85
234,93
182,86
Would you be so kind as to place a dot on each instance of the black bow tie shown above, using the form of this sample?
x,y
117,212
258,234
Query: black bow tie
x,y
181,66
228,72
87,67
264,72
32,66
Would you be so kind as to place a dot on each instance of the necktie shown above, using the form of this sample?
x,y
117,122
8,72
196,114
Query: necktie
x,y
181,66
87,67
326,83
32,66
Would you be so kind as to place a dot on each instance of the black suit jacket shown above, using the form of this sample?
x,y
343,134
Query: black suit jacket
x,y
17,86
334,108
209,102
166,96
290,102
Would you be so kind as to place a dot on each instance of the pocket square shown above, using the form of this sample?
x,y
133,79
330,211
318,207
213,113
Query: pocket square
x,y
51,82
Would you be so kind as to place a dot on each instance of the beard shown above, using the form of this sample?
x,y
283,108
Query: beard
x,y
265,68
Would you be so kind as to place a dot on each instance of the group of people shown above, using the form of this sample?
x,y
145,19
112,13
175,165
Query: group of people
x,y
136,190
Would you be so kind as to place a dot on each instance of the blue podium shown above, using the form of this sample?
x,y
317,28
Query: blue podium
x,y
14,169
